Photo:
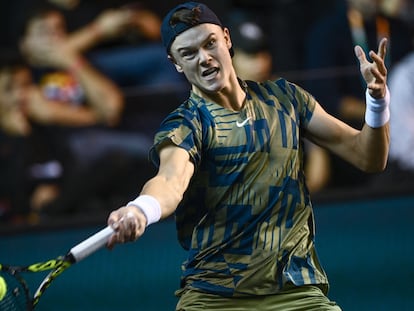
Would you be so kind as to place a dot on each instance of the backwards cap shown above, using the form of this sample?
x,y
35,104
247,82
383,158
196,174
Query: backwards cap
x,y
170,31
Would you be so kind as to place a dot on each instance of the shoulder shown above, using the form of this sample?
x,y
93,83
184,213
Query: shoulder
x,y
188,109
272,87
285,95
281,88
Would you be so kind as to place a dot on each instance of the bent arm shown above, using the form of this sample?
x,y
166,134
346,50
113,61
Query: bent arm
x,y
368,148
102,95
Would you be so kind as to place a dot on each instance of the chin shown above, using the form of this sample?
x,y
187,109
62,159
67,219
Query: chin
x,y
215,85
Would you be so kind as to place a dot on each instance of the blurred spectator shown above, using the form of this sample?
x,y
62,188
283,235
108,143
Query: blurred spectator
x,y
135,57
353,22
75,110
399,175
41,170
66,76
401,85
29,173
285,23
119,38
334,81
63,72
252,58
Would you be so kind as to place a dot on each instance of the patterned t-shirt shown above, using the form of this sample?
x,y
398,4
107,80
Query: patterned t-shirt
x,y
246,219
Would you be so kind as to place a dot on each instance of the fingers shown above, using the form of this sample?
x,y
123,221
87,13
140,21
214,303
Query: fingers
x,y
378,57
382,49
379,61
128,223
359,53
374,72
377,86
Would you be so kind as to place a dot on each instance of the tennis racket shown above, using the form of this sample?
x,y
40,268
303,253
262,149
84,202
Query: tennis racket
x,y
13,287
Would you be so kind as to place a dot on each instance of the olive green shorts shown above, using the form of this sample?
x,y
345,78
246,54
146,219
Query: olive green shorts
x,y
306,298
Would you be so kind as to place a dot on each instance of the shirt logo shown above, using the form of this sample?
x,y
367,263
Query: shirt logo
x,y
243,123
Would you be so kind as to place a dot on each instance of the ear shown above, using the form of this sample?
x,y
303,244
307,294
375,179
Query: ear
x,y
177,67
227,38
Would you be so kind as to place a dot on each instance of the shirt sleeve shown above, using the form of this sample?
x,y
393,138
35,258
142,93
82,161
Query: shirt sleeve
x,y
181,128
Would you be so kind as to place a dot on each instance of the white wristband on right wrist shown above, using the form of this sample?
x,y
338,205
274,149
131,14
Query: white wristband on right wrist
x,y
377,111
149,206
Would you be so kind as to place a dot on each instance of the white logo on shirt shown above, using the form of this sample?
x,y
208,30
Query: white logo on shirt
x,y
243,123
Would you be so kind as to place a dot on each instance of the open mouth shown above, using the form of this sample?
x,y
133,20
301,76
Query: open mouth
x,y
210,72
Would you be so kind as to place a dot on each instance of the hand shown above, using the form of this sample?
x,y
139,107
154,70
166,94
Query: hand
x,y
112,23
50,52
375,73
129,224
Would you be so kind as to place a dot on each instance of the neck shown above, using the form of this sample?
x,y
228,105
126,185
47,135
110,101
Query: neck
x,y
231,97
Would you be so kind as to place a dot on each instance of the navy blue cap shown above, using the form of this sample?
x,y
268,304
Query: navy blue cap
x,y
170,31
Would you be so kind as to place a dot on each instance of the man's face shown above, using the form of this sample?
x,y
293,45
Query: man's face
x,y
202,54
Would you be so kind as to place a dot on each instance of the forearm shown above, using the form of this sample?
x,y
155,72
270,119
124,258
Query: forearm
x,y
373,148
158,199
366,149
374,138
64,115
166,191
109,24
85,38
101,94
170,183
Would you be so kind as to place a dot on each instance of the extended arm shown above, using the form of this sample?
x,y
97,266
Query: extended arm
x,y
166,189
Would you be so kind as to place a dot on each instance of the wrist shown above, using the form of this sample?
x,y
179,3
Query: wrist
x,y
96,30
149,206
377,112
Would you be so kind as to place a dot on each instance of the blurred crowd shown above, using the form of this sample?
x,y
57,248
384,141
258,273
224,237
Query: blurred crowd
x,y
70,70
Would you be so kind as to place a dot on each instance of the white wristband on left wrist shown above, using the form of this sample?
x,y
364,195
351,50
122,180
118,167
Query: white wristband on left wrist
x,y
377,111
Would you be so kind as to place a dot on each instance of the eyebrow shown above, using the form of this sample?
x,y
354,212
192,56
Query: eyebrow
x,y
202,42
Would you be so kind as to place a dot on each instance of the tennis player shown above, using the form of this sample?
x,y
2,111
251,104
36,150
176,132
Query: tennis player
x,y
230,167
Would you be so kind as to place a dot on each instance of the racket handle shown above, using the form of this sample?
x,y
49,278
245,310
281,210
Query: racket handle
x,y
91,244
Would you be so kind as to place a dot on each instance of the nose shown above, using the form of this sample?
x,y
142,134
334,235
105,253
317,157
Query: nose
x,y
204,57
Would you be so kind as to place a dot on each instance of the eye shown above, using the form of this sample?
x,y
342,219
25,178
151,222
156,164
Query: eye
x,y
188,54
211,43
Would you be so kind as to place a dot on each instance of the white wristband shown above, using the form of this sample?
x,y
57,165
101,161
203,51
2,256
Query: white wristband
x,y
377,111
149,206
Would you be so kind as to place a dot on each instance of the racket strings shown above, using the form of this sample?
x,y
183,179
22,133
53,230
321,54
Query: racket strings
x,y
17,295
